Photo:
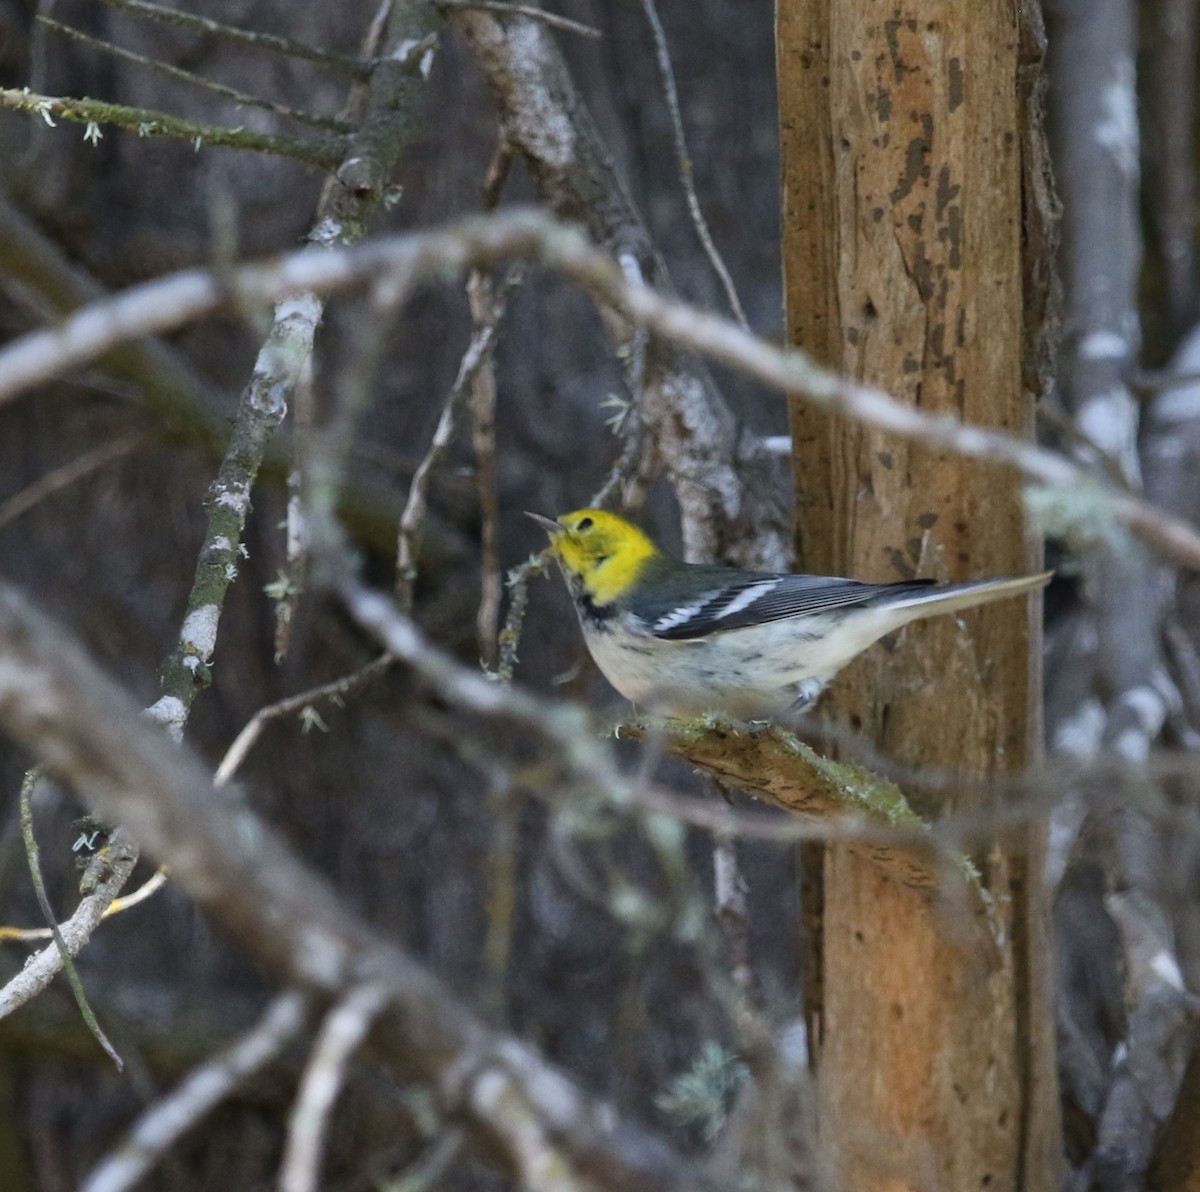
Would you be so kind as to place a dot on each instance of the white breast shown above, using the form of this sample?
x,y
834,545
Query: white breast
x,y
748,674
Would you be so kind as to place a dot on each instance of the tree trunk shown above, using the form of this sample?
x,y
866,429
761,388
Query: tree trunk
x,y
903,239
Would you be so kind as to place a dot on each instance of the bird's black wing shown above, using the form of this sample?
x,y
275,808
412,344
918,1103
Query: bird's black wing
x,y
766,597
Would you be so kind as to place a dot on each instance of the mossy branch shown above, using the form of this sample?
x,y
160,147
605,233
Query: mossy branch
x,y
773,765
325,153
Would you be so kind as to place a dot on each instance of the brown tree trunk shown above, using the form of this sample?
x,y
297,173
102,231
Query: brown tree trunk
x,y
903,239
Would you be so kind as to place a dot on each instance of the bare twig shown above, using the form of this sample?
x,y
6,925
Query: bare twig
x,y
550,19
116,863
160,1126
480,293
73,470
431,1167
268,42
341,1035
686,172
509,639
475,359
483,442
337,690
195,80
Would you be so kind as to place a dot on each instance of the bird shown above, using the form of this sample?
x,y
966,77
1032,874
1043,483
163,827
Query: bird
x,y
684,640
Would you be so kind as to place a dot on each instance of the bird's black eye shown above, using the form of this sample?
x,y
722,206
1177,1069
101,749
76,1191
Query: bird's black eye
x,y
585,524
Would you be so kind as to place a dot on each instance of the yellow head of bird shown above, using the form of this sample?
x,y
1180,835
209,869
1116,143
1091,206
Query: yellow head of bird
x,y
600,551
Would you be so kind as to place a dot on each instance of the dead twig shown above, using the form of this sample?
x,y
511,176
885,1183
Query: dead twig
x,y
341,1035
686,172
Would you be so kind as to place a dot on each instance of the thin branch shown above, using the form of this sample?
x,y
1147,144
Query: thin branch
x,y
166,1121
341,1035
113,865
147,889
1157,381
550,19
686,173
481,295
475,359
73,470
187,76
39,886
483,442
336,691
268,42
146,122
509,639
431,1168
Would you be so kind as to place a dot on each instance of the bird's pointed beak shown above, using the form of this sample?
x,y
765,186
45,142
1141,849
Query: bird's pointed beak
x,y
547,523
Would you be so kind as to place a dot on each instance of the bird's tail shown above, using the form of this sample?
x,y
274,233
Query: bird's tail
x,y
952,598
